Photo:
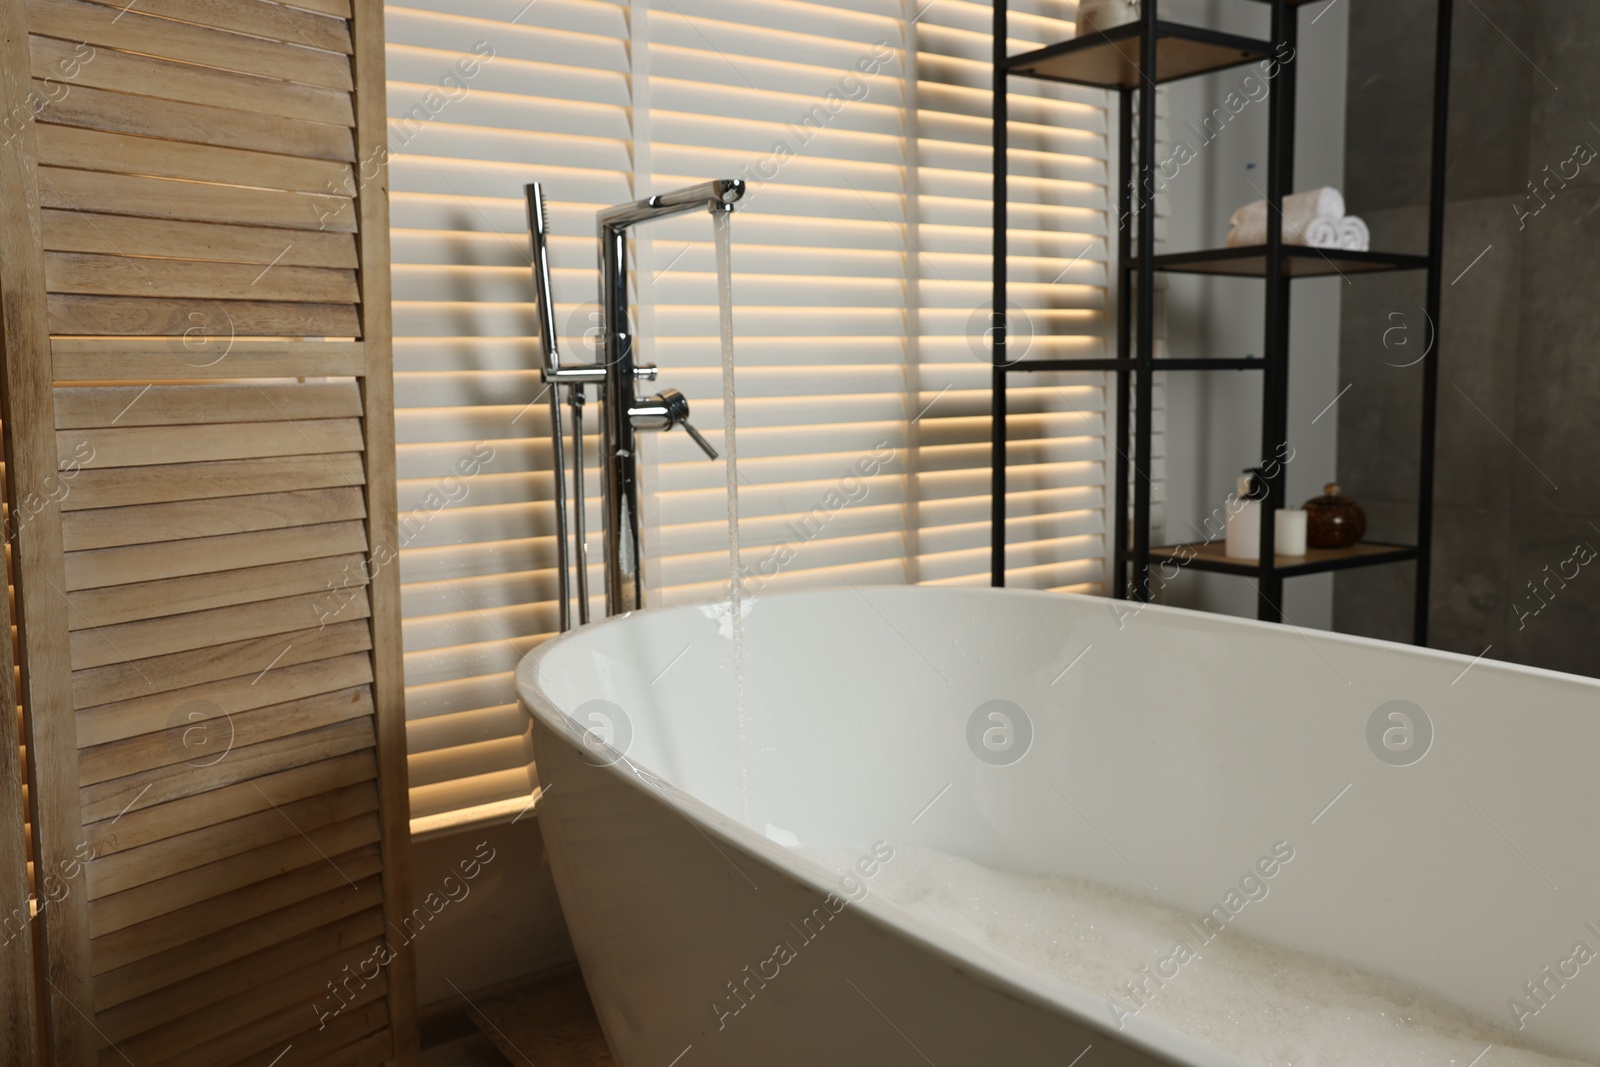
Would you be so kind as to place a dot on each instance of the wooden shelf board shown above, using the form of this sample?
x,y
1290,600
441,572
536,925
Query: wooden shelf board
x,y
1211,556
1298,262
1110,60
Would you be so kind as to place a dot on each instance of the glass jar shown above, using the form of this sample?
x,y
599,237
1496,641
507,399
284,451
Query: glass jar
x,y
1334,520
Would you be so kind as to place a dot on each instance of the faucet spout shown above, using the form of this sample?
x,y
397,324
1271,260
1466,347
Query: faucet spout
x,y
718,195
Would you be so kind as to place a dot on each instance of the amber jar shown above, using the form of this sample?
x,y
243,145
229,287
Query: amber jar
x,y
1333,520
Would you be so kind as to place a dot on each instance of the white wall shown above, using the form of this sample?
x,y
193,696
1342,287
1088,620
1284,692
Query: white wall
x,y
1214,417
506,924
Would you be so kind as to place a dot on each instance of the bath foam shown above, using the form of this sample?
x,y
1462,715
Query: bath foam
x,y
1266,1005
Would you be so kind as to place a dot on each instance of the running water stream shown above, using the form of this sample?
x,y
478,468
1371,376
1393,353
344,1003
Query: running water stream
x,y
722,230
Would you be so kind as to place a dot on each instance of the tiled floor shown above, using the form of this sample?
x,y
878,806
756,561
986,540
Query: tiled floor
x,y
549,1023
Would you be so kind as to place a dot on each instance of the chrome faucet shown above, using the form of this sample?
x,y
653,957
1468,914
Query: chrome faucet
x,y
616,377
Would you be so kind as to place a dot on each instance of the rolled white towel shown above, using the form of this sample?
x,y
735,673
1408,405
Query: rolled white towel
x,y
1248,226
1325,231
1320,232
1354,235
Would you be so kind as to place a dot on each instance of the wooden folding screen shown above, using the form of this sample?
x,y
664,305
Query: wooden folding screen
x,y
19,1039
200,460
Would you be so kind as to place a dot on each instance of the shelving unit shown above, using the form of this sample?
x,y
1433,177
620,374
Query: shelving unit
x,y
1130,61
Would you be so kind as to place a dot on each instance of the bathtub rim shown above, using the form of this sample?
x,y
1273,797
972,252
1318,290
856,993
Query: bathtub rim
x,y
1005,976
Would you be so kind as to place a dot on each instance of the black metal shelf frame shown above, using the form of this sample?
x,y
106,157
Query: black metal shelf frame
x,y
1131,60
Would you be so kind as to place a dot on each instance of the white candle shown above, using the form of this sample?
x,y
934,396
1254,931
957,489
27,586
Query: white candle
x,y
1290,531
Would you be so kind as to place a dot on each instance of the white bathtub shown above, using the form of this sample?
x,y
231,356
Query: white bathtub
x,y
1168,749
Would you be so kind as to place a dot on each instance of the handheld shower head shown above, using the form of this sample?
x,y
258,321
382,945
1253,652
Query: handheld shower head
x,y
538,231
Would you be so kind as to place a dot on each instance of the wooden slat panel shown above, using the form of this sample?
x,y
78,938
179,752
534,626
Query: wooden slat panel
x,y
214,879
183,997
382,510
136,828
364,1013
213,737
135,867
146,446
128,486
175,405
374,1048
19,995
117,27
83,231
255,17
98,528
338,576
128,73
25,402
21,999
124,681
105,315
106,723
159,198
76,272
95,360
145,116
190,162
301,983
145,790
208,1005
201,629
140,959
169,559
336,8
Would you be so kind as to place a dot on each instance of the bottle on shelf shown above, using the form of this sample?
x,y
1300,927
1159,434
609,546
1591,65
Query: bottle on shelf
x,y
1244,515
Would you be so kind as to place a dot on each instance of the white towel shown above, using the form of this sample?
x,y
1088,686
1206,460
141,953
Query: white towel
x,y
1348,234
1321,232
1354,235
1249,224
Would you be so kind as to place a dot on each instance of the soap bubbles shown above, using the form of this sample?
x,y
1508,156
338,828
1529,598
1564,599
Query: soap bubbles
x,y
601,731
1400,733
200,733
999,733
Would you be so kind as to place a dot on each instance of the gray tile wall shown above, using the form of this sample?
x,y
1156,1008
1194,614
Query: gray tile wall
x,y
1518,487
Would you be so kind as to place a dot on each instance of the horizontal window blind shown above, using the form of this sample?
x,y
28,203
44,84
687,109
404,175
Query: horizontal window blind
x,y
1059,249
547,97
861,288
741,88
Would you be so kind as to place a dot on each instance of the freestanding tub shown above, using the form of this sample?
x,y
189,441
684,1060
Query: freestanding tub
x,y
1456,846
